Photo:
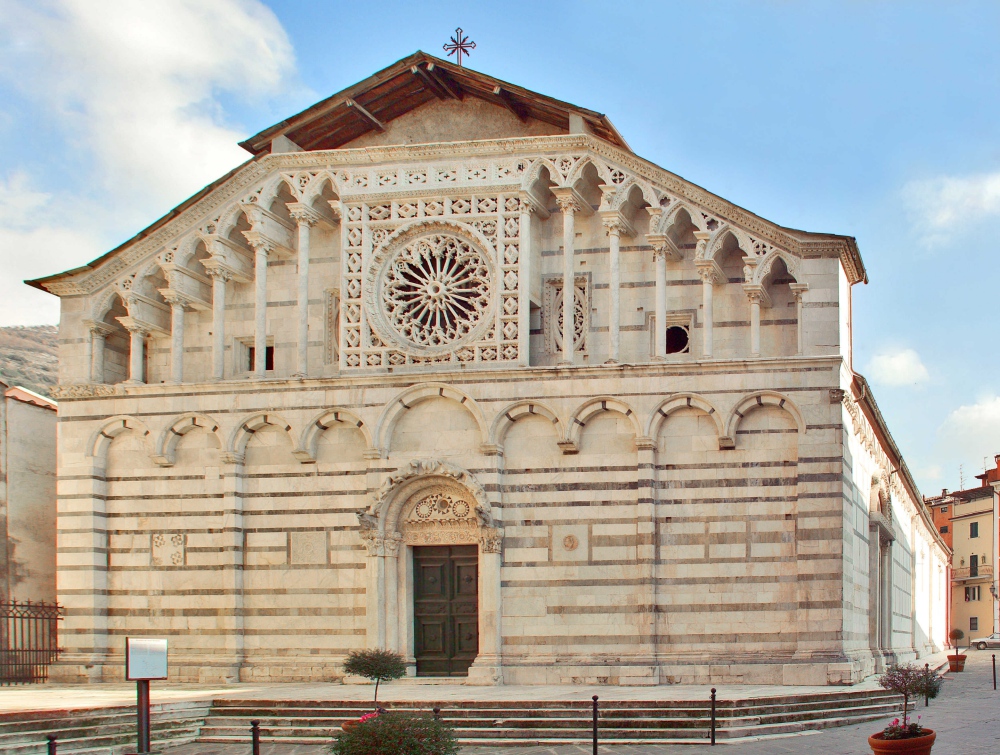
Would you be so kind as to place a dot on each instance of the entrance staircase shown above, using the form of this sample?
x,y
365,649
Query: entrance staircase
x,y
99,731
510,723
112,731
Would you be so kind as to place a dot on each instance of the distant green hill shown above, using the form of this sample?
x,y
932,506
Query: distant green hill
x,y
29,357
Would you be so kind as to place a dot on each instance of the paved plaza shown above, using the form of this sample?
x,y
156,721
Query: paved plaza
x,y
966,717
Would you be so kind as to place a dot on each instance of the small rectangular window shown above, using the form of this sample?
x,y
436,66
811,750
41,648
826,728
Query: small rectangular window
x,y
944,529
268,358
944,509
974,529
973,623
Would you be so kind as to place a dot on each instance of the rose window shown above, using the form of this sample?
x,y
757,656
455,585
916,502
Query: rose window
x,y
436,290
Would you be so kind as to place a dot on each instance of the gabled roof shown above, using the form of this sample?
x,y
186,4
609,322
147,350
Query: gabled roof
x,y
405,86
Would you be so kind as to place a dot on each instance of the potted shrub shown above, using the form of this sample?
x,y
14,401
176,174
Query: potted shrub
x,y
956,662
377,666
907,737
395,733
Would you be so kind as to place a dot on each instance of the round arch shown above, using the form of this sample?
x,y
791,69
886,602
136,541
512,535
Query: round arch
x,y
166,445
417,394
239,438
682,401
100,440
306,450
519,410
763,398
594,406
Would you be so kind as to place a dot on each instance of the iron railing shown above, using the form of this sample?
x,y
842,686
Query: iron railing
x,y
29,640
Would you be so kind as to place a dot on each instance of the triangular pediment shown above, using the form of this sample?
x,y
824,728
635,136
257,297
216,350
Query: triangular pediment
x,y
423,99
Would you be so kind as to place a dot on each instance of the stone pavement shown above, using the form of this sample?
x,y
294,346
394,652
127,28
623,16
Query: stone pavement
x,y
966,717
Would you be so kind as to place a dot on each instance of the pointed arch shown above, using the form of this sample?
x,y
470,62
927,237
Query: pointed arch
x,y
314,188
621,196
166,445
595,406
415,395
307,448
721,235
519,410
763,398
682,401
763,269
239,437
229,218
671,217
577,171
103,303
533,173
100,441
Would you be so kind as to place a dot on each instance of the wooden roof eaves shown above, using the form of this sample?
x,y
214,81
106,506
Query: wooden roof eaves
x,y
260,142
265,163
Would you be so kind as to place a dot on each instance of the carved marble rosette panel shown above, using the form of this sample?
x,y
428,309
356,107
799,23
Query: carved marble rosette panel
x,y
552,313
431,280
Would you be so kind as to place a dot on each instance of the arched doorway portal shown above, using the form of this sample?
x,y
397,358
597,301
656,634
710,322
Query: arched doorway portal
x,y
433,572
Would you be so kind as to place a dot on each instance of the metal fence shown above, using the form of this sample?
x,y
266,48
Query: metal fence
x,y
29,640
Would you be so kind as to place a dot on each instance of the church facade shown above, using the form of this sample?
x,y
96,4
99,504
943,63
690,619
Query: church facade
x,y
446,368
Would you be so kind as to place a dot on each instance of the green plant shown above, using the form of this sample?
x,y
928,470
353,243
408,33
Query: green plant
x,y
376,665
931,684
397,734
955,635
908,680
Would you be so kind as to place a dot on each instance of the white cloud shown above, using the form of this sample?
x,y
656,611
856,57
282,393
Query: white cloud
x,y
939,204
971,433
135,88
897,367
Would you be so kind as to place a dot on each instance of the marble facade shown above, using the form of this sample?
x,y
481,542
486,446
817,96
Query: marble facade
x,y
692,487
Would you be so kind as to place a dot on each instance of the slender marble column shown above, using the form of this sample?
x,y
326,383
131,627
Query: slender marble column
x,y
614,228
306,220
708,305
176,339
137,344
569,208
798,289
754,297
260,310
661,304
219,278
98,334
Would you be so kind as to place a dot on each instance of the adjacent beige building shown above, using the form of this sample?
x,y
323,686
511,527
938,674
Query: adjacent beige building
x,y
446,368
27,496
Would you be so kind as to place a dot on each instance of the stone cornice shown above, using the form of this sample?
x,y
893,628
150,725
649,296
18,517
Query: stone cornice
x,y
235,187
402,379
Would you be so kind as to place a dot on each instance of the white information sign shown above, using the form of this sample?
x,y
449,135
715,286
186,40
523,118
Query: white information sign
x,y
145,659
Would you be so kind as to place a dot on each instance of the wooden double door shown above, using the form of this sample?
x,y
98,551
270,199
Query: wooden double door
x,y
445,608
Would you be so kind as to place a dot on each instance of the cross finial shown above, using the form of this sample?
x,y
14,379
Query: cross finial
x,y
459,46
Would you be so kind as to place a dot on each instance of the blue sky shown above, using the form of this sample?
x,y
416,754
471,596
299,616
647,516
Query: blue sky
x,y
872,119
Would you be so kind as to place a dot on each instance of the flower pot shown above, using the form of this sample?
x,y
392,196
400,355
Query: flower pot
x,y
912,746
956,662
349,724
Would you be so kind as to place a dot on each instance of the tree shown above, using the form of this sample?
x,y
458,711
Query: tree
x,y
955,635
909,681
376,665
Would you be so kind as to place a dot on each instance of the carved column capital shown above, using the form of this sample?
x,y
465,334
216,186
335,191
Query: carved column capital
x,y
303,214
710,272
616,224
99,329
664,247
172,297
568,203
756,294
701,244
798,289
490,540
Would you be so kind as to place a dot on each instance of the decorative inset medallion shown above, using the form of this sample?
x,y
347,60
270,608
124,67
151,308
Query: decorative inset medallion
x,y
570,542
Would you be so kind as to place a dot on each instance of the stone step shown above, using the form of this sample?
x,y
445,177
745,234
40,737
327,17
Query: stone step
x,y
102,744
